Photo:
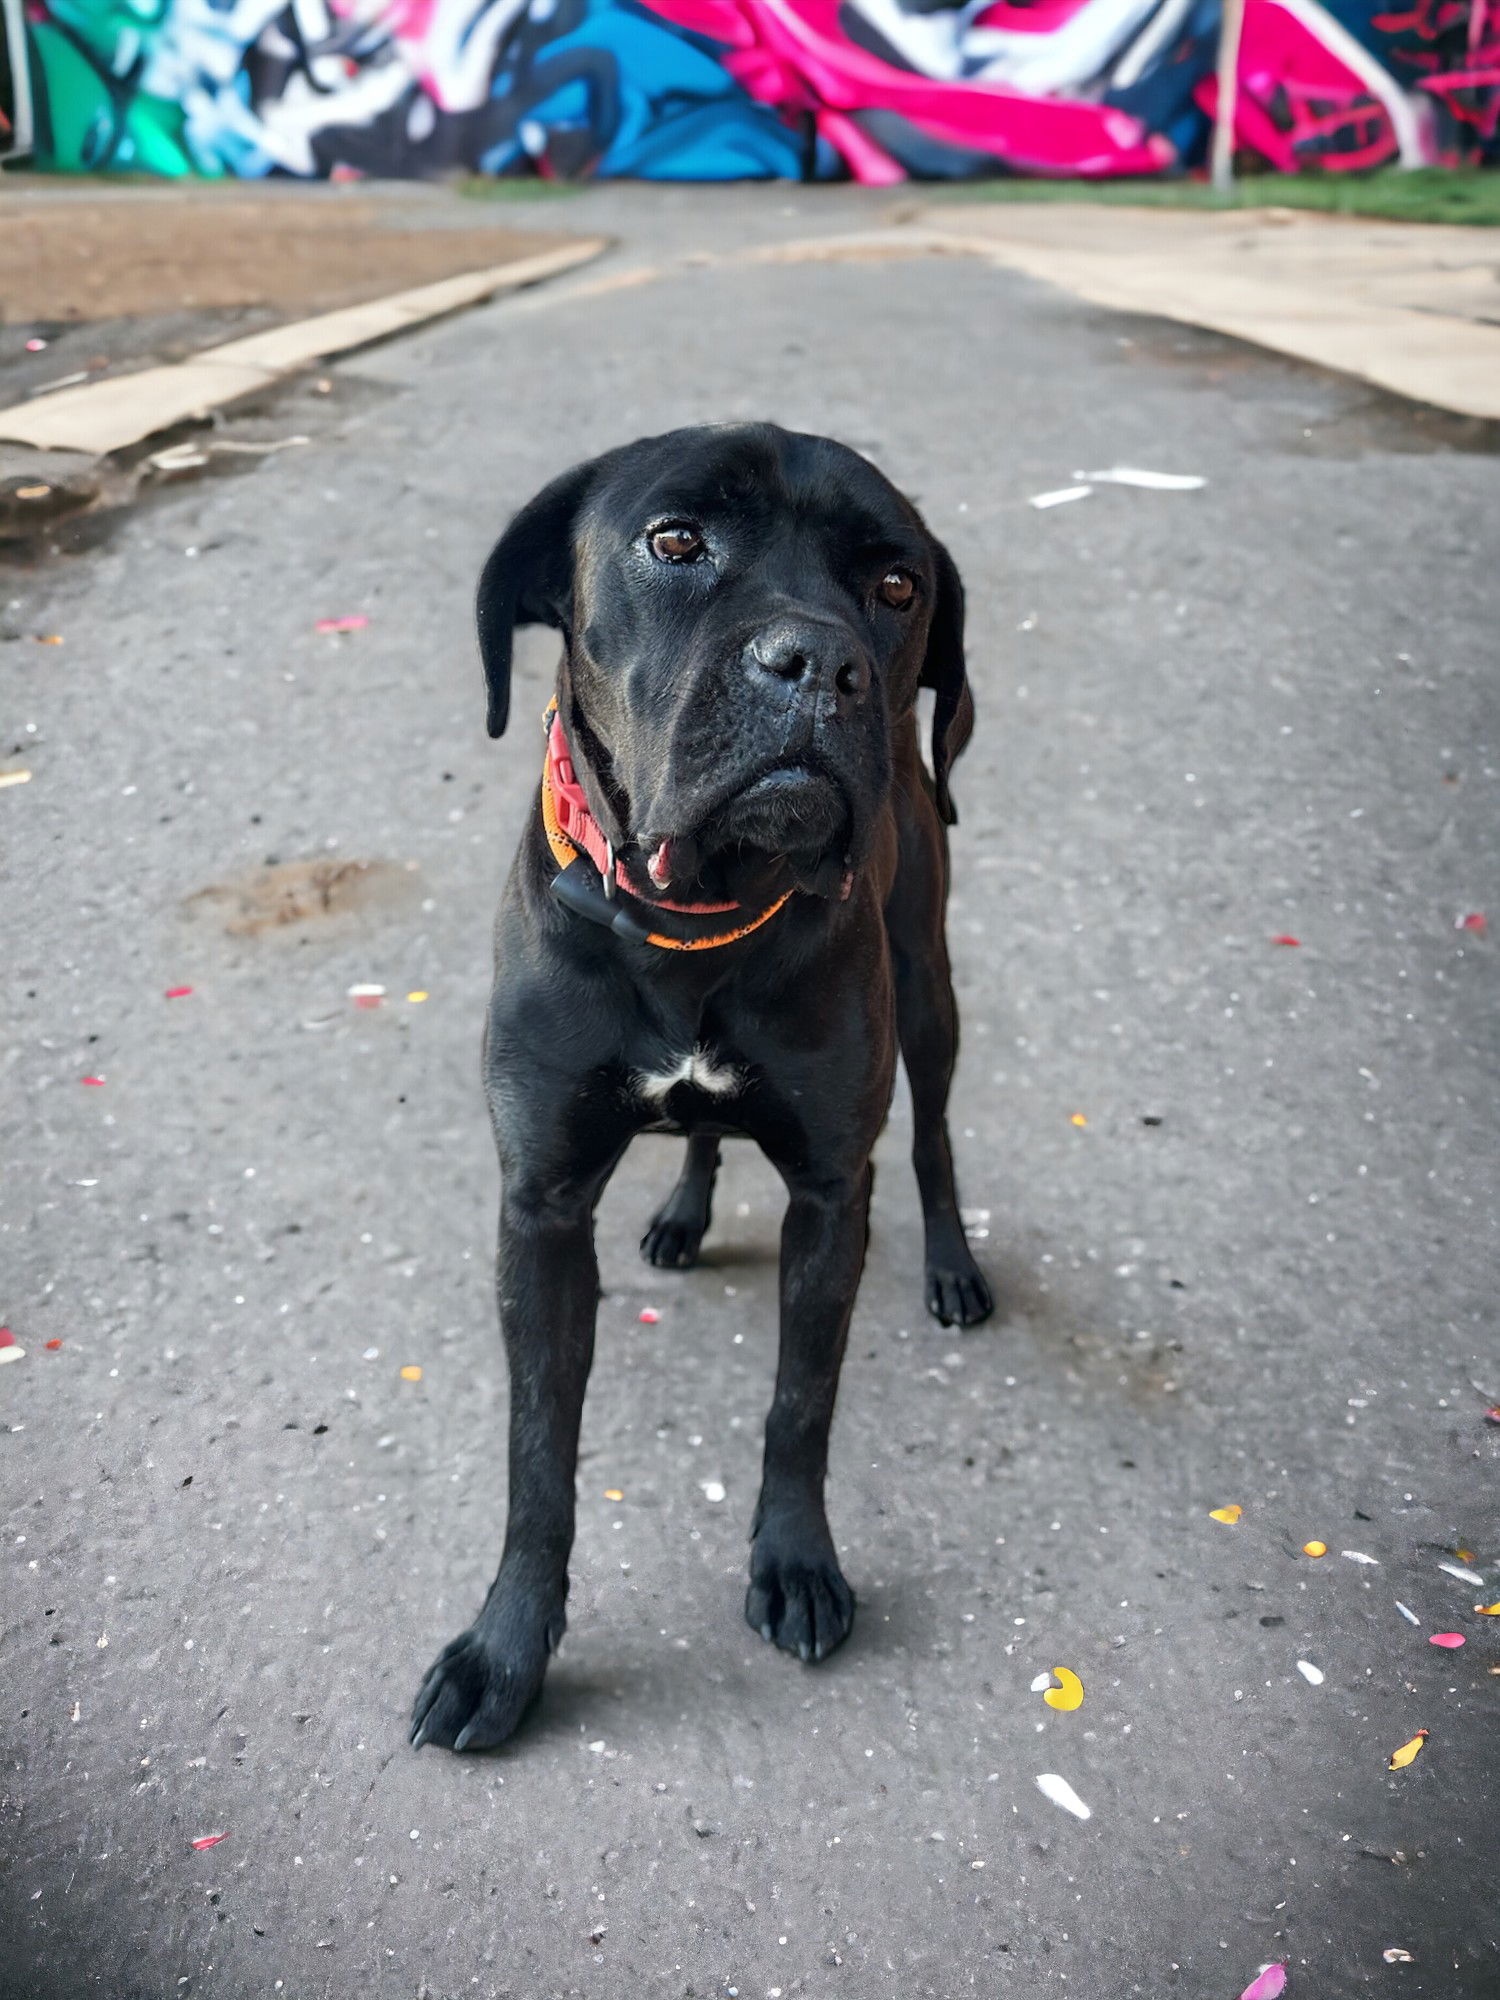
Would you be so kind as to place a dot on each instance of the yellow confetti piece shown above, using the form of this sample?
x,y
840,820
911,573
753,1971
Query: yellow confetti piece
x,y
1408,1752
15,778
1069,1695
1488,1610
1465,1555
411,1374
49,638
32,492
1078,1119
417,998
1315,1548
613,1493
1228,1515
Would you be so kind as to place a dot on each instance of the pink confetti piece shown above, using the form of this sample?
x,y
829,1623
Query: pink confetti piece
x,y
213,1839
1267,1984
648,1315
1451,1640
177,992
7,1338
1286,938
35,345
96,1081
355,624
1472,920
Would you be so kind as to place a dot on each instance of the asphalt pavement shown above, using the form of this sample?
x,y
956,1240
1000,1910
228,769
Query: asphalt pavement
x,y
1225,1125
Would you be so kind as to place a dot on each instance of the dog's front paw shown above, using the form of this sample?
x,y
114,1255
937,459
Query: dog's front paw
x,y
799,1602
958,1293
476,1692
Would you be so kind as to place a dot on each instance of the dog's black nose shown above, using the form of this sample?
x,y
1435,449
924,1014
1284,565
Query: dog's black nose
x,y
815,656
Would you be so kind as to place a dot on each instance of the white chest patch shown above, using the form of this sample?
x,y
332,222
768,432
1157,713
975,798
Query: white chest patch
x,y
697,1068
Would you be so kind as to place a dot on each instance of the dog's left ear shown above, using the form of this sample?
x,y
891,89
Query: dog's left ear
x,y
943,670
528,580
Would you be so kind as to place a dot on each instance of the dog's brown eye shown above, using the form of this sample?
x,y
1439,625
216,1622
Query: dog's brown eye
x,y
676,544
897,587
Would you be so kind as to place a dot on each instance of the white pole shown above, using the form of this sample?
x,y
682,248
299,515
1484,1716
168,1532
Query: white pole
x,y
1231,24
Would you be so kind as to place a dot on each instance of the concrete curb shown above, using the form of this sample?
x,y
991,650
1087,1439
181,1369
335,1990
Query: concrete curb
x,y
101,417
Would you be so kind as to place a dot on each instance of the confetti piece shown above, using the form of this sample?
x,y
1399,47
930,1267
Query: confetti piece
x,y
1060,496
1358,1556
1463,1575
1228,1515
177,993
613,1493
417,997
366,990
7,1338
1484,1610
97,1082
1396,1954
14,778
208,1840
648,1315
1464,1555
53,1345
1314,1676
1315,1548
713,1490
1407,1613
1152,482
1450,1640
1408,1752
1078,1119
1472,920
49,638
1042,1681
1286,938
1067,1697
11,1351
1492,1415
35,345
1268,1984
411,1373
32,492
1061,1793
355,624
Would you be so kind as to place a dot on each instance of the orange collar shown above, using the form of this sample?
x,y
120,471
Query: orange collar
x,y
572,830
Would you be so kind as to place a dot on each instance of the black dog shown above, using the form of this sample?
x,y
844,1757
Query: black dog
x,y
724,914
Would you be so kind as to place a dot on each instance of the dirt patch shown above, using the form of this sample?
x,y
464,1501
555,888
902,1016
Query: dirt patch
x,y
152,252
286,894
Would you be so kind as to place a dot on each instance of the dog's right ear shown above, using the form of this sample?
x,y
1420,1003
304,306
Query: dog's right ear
x,y
528,580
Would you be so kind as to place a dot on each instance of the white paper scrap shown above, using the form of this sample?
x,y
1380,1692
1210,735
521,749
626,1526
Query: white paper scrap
x,y
1061,496
1310,1673
1062,1794
1155,482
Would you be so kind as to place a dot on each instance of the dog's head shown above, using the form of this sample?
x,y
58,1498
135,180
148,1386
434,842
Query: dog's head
x,y
746,614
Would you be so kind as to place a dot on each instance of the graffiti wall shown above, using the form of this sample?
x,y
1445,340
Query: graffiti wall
x,y
874,90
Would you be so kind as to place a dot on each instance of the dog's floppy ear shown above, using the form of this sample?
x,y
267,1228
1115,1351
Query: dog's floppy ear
x,y
528,580
943,670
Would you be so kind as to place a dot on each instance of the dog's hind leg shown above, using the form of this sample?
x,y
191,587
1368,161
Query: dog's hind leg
x,y
677,1229
927,1025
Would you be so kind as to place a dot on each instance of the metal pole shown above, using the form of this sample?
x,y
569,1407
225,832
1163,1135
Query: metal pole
x,y
1231,24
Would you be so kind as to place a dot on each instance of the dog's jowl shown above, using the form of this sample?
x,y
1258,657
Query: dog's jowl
x,y
725,917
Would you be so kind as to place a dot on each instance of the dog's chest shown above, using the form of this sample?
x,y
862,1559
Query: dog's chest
x,y
670,1081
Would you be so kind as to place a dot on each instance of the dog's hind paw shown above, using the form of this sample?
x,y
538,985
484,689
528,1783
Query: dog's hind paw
x,y
958,1293
475,1693
805,1607
672,1243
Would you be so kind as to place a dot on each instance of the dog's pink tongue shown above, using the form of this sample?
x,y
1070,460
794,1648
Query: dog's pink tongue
x,y
659,867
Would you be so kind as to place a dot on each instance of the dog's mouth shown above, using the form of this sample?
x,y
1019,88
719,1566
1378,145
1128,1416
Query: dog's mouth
x,y
786,827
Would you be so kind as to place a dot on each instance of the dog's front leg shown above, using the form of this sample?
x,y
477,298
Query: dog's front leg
x,y
482,1683
798,1597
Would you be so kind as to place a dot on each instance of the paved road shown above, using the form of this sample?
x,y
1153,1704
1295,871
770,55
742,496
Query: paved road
x,y
1261,1272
